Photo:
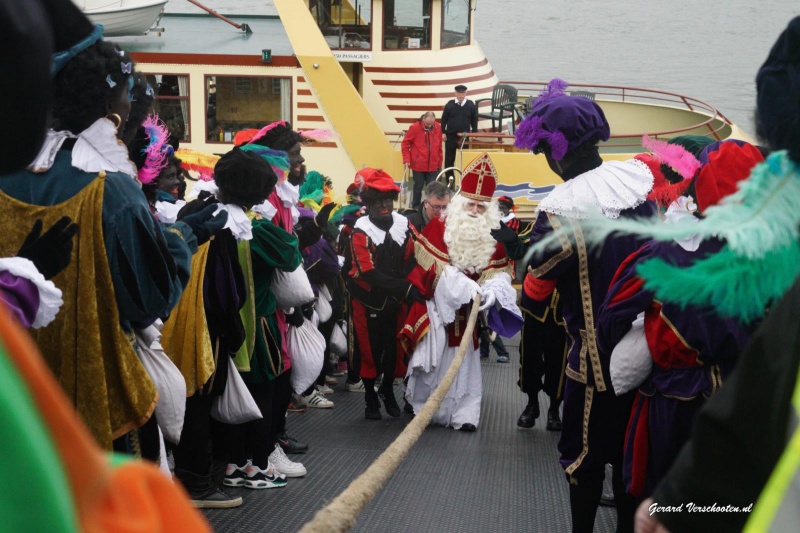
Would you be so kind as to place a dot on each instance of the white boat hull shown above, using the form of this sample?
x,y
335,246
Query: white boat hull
x,y
127,17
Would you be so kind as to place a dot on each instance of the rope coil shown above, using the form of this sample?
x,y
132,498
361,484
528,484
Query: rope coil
x,y
340,515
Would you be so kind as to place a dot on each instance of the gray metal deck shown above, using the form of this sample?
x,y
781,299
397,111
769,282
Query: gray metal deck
x,y
499,479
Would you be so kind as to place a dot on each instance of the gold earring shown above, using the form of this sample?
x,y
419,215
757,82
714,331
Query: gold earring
x,y
117,122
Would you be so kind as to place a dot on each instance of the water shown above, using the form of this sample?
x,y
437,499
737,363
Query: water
x,y
708,49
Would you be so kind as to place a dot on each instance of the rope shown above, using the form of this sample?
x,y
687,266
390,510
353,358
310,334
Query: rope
x,y
340,515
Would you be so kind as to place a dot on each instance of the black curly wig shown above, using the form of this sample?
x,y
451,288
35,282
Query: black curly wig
x,y
82,94
243,178
280,138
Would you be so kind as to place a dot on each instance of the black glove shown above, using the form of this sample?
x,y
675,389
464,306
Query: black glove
x,y
504,234
296,318
321,220
308,310
51,252
414,295
203,223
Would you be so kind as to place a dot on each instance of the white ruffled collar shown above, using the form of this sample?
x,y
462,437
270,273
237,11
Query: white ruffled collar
x,y
397,231
612,187
683,209
266,210
96,149
288,193
167,212
238,222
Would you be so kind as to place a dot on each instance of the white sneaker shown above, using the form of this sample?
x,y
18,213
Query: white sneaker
x,y
355,387
269,478
316,400
324,389
286,466
331,380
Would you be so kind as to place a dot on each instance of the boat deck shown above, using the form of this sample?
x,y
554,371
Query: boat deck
x,y
204,34
501,478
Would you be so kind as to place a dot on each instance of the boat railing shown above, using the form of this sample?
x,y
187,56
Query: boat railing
x,y
713,121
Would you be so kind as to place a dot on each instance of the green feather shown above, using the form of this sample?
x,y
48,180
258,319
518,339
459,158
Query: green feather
x,y
314,186
733,285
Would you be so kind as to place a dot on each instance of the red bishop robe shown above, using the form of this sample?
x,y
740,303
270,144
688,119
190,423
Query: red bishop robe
x,y
431,255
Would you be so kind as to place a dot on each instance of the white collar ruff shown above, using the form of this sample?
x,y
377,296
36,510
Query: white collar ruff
x,y
238,222
397,231
612,187
288,193
96,149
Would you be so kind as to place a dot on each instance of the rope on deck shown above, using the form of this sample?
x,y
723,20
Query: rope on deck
x,y
340,515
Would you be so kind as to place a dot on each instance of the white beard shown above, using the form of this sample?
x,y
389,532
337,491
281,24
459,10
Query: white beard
x,y
469,240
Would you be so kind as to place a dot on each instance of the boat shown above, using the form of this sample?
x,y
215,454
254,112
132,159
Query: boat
x,y
367,70
123,17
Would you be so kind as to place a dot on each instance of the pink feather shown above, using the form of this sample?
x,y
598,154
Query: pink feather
x,y
156,157
318,135
263,131
674,156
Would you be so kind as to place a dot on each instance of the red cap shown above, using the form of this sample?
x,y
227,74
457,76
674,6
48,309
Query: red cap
x,y
726,167
244,137
376,179
479,179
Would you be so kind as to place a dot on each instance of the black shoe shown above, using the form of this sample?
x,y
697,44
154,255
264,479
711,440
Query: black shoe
x,y
203,494
373,409
553,420
291,445
469,428
408,408
389,402
528,417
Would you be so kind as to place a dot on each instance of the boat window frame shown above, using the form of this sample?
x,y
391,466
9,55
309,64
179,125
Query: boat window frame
x,y
400,48
370,35
188,99
441,28
206,76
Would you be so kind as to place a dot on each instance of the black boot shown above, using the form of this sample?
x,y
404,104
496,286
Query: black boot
x,y
203,493
583,502
373,409
553,416
528,417
389,401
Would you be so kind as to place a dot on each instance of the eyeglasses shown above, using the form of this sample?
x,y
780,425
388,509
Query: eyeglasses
x,y
436,207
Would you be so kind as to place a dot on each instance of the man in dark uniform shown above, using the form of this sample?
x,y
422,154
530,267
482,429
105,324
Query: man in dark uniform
x,y
459,116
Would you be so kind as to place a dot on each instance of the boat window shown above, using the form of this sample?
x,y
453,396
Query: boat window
x,y
172,102
346,24
455,22
406,24
235,103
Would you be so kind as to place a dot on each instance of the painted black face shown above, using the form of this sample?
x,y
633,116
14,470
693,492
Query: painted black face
x,y
168,181
120,105
297,172
381,209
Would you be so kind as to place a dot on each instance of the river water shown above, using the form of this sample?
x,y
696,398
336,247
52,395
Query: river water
x,y
708,49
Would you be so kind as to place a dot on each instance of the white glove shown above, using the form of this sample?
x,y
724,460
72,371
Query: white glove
x,y
488,300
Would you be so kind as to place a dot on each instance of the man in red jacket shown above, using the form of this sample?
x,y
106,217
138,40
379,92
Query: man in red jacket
x,y
422,152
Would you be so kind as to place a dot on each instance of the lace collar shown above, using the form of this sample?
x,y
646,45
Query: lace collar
x,y
612,187
96,149
397,231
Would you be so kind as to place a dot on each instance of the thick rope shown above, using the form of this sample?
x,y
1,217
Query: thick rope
x,y
340,515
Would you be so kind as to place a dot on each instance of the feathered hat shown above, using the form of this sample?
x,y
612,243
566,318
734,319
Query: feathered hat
x,y
561,121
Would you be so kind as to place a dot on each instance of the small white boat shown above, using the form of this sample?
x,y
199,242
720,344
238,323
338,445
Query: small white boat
x,y
123,17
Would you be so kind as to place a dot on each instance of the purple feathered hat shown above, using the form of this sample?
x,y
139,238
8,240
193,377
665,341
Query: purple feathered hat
x,y
561,121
